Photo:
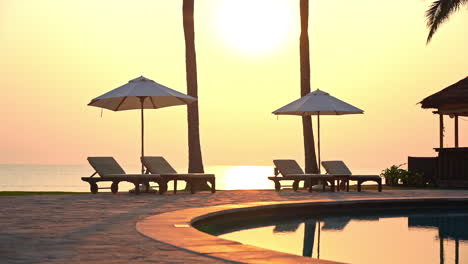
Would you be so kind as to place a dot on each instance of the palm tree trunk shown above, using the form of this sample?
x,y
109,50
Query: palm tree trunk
x,y
309,144
194,149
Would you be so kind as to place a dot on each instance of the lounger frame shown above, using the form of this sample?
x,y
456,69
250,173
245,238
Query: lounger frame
x,y
297,178
337,166
291,171
110,171
161,167
136,179
190,178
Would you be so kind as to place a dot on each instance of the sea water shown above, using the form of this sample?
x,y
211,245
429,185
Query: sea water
x,y
33,177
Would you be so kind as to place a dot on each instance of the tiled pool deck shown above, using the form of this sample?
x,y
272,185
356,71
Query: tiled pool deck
x,y
101,228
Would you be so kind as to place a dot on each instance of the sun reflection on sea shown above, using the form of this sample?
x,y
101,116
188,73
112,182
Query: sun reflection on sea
x,y
242,177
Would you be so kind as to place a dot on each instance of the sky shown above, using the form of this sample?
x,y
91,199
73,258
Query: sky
x,y
57,55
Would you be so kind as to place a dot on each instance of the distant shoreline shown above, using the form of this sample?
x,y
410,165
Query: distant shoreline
x,y
17,193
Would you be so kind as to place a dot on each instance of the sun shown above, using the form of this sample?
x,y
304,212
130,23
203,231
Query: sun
x,y
255,27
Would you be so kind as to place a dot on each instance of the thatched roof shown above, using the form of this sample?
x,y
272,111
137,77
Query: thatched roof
x,y
453,97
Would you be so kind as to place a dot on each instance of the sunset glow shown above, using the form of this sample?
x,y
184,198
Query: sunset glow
x,y
58,55
254,27
234,131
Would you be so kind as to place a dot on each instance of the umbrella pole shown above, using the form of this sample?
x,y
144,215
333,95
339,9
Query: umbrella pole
x,y
142,99
318,141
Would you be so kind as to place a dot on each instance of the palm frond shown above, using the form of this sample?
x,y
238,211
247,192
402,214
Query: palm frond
x,y
439,12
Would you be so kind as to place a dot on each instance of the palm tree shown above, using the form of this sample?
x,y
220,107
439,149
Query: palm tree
x,y
194,149
309,144
195,157
439,12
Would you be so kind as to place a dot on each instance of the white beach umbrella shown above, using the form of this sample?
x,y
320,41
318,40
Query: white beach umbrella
x,y
318,103
141,93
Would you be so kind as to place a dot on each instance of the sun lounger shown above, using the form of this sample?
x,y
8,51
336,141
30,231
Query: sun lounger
x,y
291,171
110,171
339,167
160,166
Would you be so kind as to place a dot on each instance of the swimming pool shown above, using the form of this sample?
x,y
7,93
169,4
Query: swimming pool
x,y
409,233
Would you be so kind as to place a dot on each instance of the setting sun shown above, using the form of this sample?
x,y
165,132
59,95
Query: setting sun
x,y
254,27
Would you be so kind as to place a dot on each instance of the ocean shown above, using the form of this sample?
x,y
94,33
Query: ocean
x,y
67,178
32,177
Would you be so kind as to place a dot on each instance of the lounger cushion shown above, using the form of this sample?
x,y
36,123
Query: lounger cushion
x,y
287,167
105,165
336,167
157,165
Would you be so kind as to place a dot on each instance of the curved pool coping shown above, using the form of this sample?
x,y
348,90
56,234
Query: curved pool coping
x,y
176,228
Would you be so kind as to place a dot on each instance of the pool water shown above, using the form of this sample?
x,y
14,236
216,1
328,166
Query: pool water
x,y
412,236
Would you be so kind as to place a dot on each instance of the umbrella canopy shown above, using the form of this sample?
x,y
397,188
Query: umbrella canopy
x,y
141,93
129,96
318,103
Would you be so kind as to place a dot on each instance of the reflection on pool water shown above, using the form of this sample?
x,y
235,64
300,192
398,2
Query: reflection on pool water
x,y
436,236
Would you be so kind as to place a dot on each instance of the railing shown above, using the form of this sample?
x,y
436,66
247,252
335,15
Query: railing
x,y
452,167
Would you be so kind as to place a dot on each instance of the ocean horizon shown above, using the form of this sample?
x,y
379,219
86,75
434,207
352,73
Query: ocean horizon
x,y
67,178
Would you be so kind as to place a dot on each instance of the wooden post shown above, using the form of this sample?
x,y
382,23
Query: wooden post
x,y
441,128
456,131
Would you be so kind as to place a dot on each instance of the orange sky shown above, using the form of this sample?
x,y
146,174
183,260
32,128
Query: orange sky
x,y
58,55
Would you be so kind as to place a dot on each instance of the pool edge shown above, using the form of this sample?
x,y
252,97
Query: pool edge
x,y
170,227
